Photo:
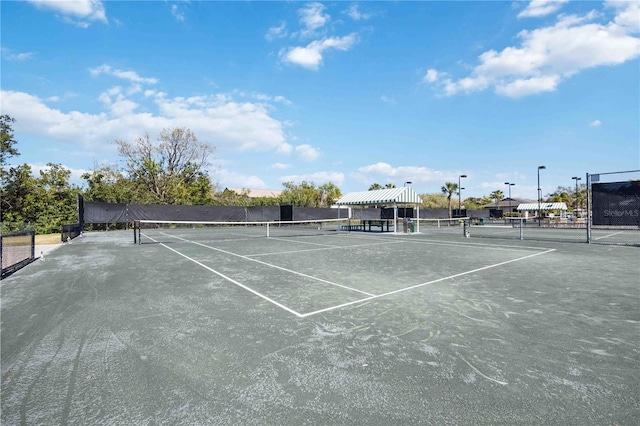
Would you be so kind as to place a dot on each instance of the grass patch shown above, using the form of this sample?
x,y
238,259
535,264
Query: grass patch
x,y
47,239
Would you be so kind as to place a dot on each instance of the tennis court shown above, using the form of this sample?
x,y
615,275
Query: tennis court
x,y
328,328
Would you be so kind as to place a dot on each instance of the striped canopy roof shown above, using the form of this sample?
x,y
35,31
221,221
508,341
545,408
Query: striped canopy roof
x,y
542,206
403,195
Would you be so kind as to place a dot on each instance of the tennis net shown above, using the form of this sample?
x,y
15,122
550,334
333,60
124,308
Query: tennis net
x,y
508,227
160,231
440,223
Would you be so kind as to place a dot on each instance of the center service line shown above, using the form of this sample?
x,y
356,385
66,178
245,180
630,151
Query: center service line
x,y
274,266
423,284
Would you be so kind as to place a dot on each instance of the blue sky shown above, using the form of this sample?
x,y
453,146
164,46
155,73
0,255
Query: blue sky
x,y
346,92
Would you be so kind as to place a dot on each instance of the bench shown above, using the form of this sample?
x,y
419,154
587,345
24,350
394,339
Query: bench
x,y
378,223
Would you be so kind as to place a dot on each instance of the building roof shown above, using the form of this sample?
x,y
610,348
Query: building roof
x,y
403,195
506,202
542,206
256,193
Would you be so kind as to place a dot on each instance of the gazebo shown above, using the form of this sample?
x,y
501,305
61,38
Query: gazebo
x,y
392,197
540,207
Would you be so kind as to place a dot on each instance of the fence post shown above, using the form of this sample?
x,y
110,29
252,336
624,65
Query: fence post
x,y
588,218
33,245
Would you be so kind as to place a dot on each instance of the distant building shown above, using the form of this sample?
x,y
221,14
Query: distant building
x,y
255,193
507,205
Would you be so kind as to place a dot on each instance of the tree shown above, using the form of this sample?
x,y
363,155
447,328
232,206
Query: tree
x,y
18,192
107,184
306,194
55,202
434,201
473,203
7,150
449,189
376,186
329,194
173,171
497,196
7,141
560,196
45,202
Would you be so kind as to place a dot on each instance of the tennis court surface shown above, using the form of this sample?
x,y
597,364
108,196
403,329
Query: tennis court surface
x,y
334,328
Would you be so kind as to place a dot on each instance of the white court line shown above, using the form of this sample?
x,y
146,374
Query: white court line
x,y
608,235
300,242
318,249
423,284
280,305
273,266
455,244
331,308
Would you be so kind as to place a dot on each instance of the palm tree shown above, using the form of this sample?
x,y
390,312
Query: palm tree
x,y
497,195
449,189
375,187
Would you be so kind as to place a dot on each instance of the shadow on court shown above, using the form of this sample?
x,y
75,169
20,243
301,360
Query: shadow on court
x,y
346,329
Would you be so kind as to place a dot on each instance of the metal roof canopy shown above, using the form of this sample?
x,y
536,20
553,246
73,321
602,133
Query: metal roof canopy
x,y
542,206
382,197
404,195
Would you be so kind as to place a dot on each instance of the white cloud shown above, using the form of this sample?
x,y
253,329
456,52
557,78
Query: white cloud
x,y
225,123
510,176
385,173
627,14
78,12
307,152
387,100
18,57
431,76
354,13
549,55
131,76
310,57
233,179
280,166
274,33
312,18
177,13
318,178
283,100
539,8
595,123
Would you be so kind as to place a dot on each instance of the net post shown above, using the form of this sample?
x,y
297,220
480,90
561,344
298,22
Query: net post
x,y
136,229
33,244
268,229
521,228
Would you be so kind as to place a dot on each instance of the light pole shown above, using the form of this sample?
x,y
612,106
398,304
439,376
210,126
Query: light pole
x,y
576,178
540,196
510,185
460,188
